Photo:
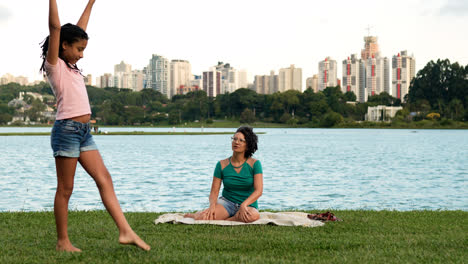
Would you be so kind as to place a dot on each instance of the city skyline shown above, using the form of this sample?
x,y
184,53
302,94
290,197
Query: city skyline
x,y
258,36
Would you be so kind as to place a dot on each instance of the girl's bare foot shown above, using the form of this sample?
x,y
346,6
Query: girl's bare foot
x,y
133,239
66,246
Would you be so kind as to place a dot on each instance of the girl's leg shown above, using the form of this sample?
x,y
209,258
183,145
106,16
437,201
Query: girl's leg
x,y
93,164
65,176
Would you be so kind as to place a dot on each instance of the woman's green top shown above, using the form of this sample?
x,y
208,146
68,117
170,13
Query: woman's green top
x,y
238,186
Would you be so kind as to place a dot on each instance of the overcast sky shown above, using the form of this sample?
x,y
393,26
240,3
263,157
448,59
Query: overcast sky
x,y
256,35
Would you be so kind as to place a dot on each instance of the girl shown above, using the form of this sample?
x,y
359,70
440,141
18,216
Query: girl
x,y
70,138
242,178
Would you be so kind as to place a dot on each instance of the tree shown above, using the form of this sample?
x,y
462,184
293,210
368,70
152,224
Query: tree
x,y
349,96
247,117
456,109
331,119
439,83
174,117
35,112
334,98
241,99
383,99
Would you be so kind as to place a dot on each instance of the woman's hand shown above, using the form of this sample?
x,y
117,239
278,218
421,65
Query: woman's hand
x,y
243,214
210,213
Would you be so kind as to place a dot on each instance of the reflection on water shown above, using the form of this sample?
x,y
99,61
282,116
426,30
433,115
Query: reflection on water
x,y
303,169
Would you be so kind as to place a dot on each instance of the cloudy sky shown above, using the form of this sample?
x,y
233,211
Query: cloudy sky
x,y
256,35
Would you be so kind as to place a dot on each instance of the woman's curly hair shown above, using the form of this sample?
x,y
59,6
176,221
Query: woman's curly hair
x,y
251,140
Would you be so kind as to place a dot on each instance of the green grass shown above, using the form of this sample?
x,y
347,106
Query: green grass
x,y
363,237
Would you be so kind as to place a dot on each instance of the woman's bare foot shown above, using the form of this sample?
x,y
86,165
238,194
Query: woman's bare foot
x,y
133,239
189,215
66,246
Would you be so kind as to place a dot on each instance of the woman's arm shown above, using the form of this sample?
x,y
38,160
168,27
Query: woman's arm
x,y
54,33
83,22
215,186
210,213
258,190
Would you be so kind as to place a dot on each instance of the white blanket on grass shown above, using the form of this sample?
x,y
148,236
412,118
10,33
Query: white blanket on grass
x,y
279,219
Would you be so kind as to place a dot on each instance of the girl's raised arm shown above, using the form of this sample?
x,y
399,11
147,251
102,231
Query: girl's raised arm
x,y
83,22
54,33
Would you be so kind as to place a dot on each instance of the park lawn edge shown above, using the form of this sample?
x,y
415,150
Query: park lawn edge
x,y
365,236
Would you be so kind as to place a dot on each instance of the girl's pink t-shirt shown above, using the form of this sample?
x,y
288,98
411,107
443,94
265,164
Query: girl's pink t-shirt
x,y
69,89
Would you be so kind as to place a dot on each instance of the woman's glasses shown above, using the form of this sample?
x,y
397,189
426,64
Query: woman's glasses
x,y
240,140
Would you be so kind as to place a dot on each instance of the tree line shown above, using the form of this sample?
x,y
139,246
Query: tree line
x,y
439,92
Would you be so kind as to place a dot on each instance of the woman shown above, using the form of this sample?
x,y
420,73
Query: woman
x,y
242,178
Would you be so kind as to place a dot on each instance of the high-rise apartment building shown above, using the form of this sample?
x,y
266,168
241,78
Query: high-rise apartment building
x,y
181,75
371,48
403,71
88,79
212,82
377,75
273,86
242,79
9,78
354,78
312,82
262,84
137,80
106,80
158,74
229,77
327,74
197,81
290,79
122,67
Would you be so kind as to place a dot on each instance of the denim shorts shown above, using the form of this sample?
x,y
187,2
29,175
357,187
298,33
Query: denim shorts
x,y
69,138
230,207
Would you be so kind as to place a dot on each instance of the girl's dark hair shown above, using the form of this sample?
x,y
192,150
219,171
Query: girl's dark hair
x,y
68,33
251,140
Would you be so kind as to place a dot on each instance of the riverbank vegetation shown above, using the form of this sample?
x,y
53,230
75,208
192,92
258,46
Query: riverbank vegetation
x,y
363,237
437,98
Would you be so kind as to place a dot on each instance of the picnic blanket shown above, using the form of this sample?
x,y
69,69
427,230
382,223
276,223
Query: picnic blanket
x,y
266,218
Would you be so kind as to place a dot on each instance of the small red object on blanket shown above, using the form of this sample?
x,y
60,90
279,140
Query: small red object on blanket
x,y
324,217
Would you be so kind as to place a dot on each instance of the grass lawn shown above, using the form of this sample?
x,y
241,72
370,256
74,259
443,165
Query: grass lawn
x,y
363,237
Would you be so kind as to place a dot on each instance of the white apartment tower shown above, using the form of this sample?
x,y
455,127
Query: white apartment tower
x,y
377,76
354,78
403,71
181,76
230,78
327,74
122,68
312,82
290,79
158,74
242,79
137,80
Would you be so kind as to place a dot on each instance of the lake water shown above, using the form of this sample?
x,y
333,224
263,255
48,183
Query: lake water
x,y
304,169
